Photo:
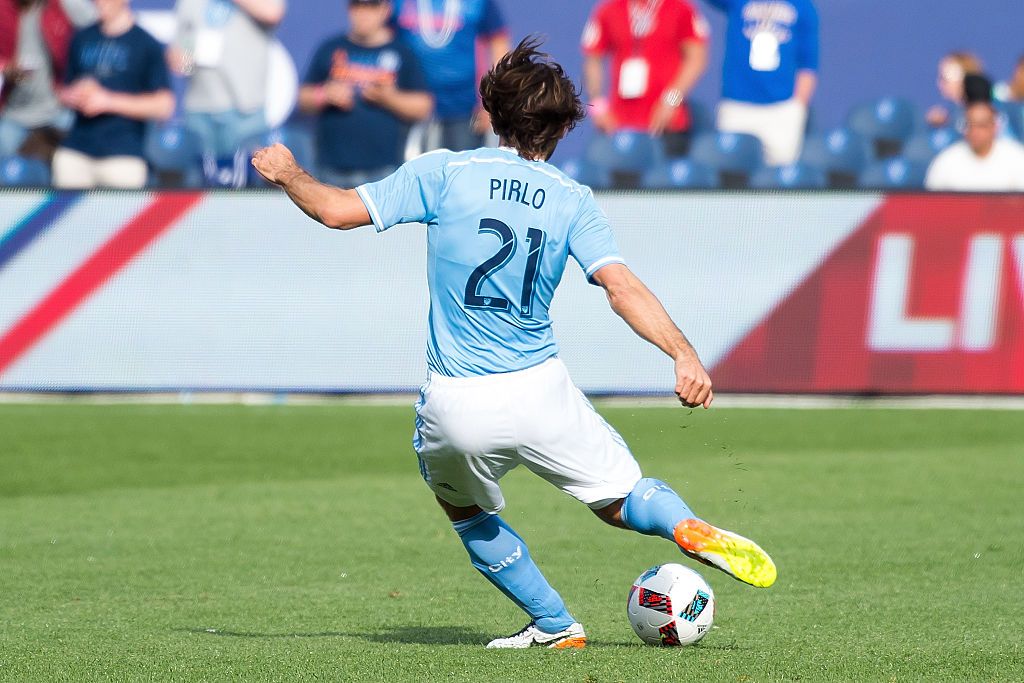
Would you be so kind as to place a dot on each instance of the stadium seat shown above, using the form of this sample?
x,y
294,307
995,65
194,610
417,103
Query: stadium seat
x,y
734,156
791,177
175,154
840,153
887,123
17,171
702,117
680,174
586,173
923,147
894,174
625,156
298,140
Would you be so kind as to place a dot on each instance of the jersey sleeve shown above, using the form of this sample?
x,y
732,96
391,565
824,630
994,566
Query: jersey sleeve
x,y
410,74
320,67
409,195
73,70
157,76
693,27
807,40
591,241
492,21
595,34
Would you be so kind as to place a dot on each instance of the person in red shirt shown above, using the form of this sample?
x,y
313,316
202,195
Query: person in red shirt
x,y
657,51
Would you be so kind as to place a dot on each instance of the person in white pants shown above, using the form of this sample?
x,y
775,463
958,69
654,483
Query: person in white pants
x,y
770,73
117,82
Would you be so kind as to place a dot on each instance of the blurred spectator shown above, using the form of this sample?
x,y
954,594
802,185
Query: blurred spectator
x,y
117,80
953,68
657,51
223,47
770,73
34,40
1012,90
444,34
366,87
982,161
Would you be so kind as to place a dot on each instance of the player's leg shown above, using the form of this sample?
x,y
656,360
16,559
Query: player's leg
x,y
459,440
503,558
654,509
565,441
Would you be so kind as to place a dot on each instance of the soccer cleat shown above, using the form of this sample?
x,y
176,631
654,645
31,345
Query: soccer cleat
x,y
738,557
531,636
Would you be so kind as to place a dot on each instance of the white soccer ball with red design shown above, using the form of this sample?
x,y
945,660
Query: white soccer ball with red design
x,y
671,605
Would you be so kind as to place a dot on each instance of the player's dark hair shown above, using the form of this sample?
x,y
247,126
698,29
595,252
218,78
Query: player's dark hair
x,y
532,103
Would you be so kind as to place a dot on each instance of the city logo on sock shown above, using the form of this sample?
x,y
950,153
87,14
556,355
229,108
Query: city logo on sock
x,y
654,489
507,562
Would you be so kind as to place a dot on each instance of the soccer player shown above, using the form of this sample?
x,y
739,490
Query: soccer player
x,y
501,225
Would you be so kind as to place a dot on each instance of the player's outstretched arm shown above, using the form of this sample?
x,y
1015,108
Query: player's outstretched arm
x,y
332,206
637,305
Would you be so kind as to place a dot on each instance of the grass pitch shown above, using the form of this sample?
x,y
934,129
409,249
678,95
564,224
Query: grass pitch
x,y
298,543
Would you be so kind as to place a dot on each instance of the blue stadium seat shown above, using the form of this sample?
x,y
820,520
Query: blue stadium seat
x,y
175,153
923,147
702,117
894,174
791,177
587,174
298,140
17,171
680,174
840,153
625,151
735,156
887,123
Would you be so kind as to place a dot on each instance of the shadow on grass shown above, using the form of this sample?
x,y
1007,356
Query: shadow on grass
x,y
412,635
428,635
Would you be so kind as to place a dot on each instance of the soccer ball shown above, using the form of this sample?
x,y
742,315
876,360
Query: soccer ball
x,y
671,605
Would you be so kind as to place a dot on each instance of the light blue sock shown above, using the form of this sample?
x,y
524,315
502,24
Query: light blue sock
x,y
501,555
654,509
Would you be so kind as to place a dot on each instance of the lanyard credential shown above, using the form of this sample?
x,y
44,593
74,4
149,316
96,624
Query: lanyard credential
x,y
434,38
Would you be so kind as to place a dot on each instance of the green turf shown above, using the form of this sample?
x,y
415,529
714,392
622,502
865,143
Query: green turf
x,y
298,543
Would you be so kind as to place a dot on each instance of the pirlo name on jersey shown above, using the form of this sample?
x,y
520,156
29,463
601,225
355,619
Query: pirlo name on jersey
x,y
512,190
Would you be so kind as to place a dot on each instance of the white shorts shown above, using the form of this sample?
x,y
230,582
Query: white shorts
x,y
470,431
780,127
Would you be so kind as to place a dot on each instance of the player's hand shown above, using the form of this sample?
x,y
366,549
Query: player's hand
x,y
95,101
381,94
276,163
937,116
693,385
14,74
605,122
340,95
661,117
180,61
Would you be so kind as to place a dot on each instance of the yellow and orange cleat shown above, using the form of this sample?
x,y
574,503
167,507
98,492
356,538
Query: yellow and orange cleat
x,y
738,557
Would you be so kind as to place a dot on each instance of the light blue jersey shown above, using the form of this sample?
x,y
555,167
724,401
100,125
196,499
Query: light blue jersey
x,y
499,232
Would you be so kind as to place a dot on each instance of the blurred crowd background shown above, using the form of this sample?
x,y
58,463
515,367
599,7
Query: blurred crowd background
x,y
681,93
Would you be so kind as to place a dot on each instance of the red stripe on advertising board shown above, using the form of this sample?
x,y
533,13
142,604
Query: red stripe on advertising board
x,y
117,252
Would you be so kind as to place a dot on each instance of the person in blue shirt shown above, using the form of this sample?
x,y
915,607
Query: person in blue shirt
x,y
365,89
117,81
501,226
770,72
444,34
